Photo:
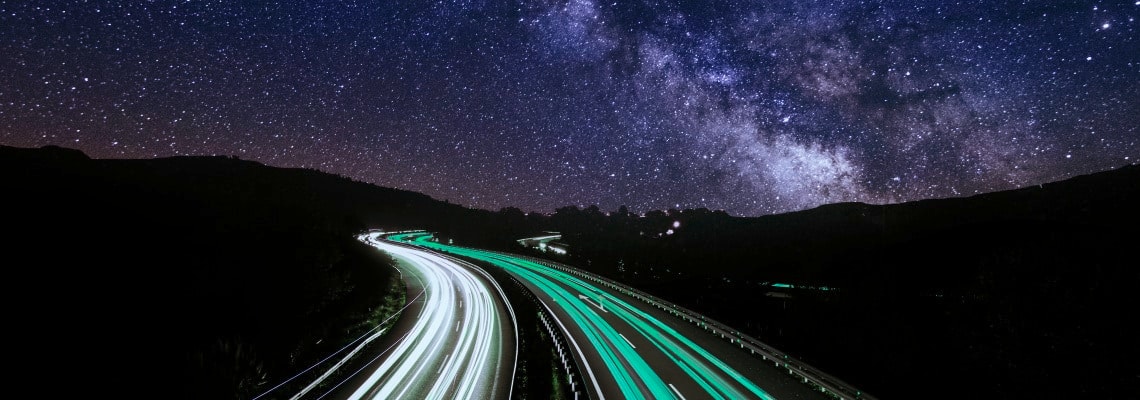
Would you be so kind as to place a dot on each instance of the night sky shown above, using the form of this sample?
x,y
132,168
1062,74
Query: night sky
x,y
751,107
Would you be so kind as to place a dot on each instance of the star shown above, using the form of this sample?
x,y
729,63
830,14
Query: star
x,y
537,105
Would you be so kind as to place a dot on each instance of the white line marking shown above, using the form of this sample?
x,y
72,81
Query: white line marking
x,y
678,392
511,310
627,341
445,364
595,304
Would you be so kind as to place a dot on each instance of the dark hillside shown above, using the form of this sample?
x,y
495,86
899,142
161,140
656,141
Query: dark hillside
x,y
216,275
1026,293
212,276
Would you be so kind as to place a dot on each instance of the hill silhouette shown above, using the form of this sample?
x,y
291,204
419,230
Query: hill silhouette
x,y
214,275
1024,293
208,277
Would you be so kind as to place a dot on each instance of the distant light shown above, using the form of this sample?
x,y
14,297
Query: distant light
x,y
669,232
1105,25
676,224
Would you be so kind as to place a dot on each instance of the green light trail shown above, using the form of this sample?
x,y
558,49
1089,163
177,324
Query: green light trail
x,y
627,367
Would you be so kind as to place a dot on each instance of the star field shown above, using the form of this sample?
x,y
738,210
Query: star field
x,y
749,107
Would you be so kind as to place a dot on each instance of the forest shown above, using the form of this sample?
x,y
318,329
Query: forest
x,y
220,276
212,277
995,293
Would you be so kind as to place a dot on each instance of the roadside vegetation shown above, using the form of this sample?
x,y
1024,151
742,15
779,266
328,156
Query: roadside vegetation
x,y
178,280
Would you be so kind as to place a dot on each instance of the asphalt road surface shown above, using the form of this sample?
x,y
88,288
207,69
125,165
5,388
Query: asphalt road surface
x,y
629,349
455,340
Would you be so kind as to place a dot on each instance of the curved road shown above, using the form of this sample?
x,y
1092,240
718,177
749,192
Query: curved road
x,y
631,350
456,340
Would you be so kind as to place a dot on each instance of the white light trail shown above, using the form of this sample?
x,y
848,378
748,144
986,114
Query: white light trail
x,y
437,359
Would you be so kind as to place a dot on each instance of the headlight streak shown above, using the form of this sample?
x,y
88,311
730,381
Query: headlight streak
x,y
346,357
631,372
450,351
360,343
378,356
716,377
514,321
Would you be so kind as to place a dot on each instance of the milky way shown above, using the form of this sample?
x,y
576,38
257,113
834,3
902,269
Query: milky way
x,y
750,107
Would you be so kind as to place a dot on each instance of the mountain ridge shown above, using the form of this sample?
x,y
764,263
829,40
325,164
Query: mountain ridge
x,y
59,153
965,289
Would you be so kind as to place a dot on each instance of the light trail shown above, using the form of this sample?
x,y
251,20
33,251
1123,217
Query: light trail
x,y
436,359
634,376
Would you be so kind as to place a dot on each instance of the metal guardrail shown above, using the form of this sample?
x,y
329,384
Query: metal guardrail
x,y
569,364
810,375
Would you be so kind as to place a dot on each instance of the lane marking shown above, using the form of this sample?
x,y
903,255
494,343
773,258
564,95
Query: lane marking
x,y
627,341
678,392
591,301
445,364
510,310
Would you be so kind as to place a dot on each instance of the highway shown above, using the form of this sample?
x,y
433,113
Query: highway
x,y
455,340
628,349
